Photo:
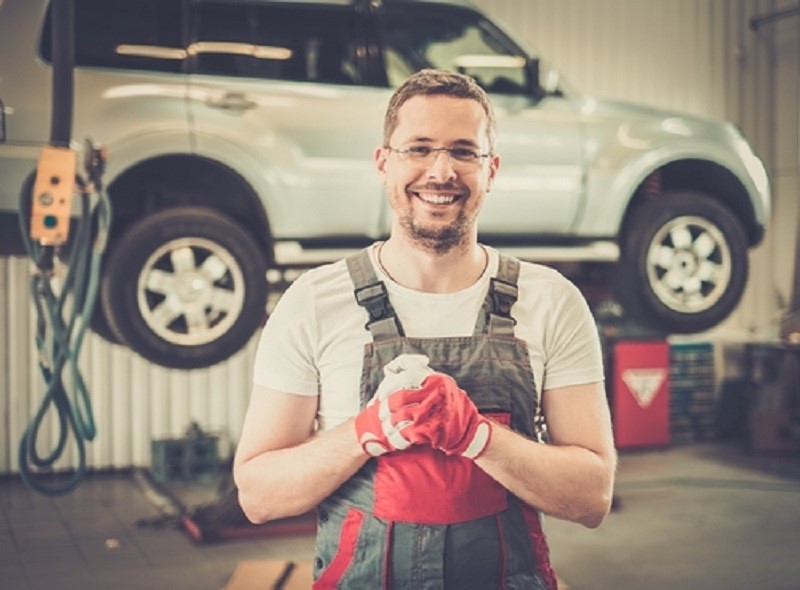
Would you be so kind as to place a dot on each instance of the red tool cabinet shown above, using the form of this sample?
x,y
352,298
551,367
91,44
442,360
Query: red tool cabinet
x,y
639,394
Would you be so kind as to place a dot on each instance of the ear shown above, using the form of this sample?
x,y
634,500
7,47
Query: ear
x,y
494,166
379,157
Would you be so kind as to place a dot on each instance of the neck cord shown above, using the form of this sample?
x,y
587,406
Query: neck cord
x,y
379,252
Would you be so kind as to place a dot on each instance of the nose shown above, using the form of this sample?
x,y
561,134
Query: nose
x,y
441,168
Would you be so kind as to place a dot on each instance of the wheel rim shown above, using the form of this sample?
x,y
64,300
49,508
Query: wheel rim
x,y
190,291
689,264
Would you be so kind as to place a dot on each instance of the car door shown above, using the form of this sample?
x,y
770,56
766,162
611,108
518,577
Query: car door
x,y
539,187
277,93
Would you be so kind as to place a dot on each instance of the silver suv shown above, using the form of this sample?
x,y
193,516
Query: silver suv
x,y
240,136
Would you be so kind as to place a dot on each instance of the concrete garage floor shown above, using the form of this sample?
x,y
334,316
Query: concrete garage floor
x,y
704,516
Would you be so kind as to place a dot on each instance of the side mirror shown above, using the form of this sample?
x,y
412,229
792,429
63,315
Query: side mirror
x,y
538,88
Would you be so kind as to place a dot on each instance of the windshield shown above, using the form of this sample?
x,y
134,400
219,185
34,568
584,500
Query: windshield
x,y
429,36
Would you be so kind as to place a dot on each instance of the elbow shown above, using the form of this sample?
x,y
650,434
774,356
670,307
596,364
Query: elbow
x,y
593,522
250,501
592,519
597,508
260,502
589,510
598,504
253,510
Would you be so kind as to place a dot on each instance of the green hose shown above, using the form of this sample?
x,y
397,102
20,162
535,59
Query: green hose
x,y
62,316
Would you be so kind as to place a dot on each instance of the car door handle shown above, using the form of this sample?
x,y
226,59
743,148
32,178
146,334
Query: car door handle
x,y
232,101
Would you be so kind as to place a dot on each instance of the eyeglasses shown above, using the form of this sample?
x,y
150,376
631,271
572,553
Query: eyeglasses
x,y
426,155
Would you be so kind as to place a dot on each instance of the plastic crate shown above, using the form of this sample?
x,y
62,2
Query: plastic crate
x,y
185,459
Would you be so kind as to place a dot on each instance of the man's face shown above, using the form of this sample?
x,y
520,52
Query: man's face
x,y
436,200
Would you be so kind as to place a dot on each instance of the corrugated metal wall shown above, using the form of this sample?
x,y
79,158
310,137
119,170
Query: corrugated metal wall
x,y
698,56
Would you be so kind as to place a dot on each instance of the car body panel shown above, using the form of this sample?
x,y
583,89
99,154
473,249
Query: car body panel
x,y
315,174
540,186
625,143
134,116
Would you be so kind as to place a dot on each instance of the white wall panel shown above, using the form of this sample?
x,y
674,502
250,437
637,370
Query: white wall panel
x,y
783,38
660,53
698,56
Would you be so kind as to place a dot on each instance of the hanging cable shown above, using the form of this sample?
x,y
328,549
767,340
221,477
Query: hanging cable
x,y
63,294
63,312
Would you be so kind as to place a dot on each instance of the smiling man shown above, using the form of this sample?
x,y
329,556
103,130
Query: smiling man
x,y
438,192
430,396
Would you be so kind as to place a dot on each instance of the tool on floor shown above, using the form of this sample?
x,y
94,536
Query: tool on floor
x,y
65,280
218,520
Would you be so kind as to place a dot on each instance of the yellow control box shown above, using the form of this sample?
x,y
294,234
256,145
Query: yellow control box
x,y
52,195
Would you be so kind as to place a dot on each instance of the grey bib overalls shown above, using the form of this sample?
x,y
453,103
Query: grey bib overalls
x,y
419,519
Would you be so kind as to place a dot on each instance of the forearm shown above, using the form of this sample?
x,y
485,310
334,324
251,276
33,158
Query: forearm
x,y
569,482
290,481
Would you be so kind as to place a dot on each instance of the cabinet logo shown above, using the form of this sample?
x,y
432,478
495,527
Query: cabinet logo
x,y
644,383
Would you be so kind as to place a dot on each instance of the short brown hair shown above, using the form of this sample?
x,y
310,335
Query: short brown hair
x,y
430,82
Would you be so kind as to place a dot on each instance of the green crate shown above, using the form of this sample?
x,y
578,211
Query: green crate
x,y
185,459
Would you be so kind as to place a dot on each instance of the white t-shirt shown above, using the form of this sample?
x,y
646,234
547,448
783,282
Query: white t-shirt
x,y
313,342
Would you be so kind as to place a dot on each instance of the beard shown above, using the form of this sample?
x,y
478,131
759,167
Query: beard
x,y
437,239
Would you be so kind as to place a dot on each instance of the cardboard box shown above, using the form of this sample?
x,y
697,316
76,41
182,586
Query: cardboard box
x,y
261,575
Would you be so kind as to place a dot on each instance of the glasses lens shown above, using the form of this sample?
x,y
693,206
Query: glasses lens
x,y
464,155
426,155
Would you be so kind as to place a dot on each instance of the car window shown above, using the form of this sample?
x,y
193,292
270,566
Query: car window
x,y
127,34
420,36
282,42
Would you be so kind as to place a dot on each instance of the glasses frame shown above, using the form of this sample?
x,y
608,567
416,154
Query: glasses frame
x,y
430,158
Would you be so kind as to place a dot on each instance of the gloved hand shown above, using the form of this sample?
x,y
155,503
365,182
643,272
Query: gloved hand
x,y
382,426
406,371
449,419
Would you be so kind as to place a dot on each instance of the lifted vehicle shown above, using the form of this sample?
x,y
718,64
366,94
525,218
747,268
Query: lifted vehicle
x,y
240,136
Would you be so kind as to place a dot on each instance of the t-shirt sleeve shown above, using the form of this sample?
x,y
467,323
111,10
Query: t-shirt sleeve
x,y
573,349
285,355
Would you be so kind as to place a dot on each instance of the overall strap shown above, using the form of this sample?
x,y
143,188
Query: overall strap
x,y
495,317
371,294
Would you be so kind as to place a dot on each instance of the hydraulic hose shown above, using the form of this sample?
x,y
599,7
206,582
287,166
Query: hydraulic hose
x,y
64,306
62,317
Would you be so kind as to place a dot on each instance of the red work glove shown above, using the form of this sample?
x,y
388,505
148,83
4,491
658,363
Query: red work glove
x,y
385,424
449,420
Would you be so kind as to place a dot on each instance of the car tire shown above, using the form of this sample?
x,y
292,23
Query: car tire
x,y
100,326
684,263
185,288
